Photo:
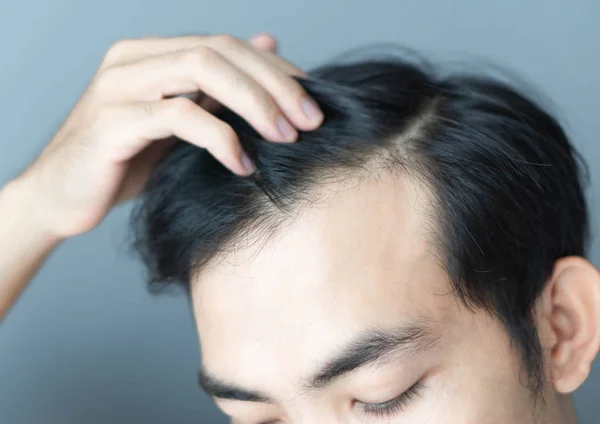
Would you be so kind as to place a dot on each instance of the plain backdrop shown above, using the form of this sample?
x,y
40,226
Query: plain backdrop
x,y
86,343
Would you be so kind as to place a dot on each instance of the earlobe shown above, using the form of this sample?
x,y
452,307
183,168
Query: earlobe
x,y
572,304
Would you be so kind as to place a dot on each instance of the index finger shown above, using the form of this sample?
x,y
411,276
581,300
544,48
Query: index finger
x,y
135,49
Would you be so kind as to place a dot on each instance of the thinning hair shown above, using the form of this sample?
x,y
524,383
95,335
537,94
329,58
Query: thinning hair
x,y
506,180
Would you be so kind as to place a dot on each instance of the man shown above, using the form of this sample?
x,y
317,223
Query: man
x,y
415,257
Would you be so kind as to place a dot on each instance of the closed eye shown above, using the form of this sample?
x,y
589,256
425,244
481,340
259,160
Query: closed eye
x,y
394,406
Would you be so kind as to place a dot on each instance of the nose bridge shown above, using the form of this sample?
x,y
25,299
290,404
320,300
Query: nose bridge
x,y
314,418
313,414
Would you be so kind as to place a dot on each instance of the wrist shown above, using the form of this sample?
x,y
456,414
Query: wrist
x,y
20,205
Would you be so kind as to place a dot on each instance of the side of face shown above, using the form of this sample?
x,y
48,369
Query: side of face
x,y
346,316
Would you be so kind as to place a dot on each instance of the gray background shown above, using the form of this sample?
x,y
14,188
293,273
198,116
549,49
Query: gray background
x,y
86,343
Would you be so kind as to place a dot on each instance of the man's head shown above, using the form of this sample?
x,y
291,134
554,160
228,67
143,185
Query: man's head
x,y
416,259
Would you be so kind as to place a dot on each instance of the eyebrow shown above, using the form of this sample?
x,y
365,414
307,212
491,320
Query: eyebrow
x,y
371,347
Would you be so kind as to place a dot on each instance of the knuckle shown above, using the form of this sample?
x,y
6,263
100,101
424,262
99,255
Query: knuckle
x,y
284,84
105,79
248,88
150,108
199,56
118,47
180,106
241,84
257,99
226,137
224,40
293,90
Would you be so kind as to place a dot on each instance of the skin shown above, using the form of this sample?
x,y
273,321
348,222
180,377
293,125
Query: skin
x,y
270,328
271,318
122,125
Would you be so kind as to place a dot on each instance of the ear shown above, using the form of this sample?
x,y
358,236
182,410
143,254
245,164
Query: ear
x,y
568,318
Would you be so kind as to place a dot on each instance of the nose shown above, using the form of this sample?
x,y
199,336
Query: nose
x,y
318,417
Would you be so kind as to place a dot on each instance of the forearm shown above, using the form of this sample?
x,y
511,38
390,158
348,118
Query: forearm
x,y
24,245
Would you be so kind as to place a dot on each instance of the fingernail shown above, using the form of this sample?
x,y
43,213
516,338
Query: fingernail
x,y
285,129
311,110
248,164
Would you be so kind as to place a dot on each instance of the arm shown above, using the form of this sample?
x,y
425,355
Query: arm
x,y
24,244
125,122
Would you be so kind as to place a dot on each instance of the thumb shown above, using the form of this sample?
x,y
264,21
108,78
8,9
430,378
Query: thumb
x,y
264,41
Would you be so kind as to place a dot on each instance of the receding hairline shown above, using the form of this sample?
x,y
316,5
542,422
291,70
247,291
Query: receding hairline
x,y
390,161
252,240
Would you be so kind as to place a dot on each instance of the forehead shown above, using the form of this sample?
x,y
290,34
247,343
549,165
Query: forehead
x,y
361,258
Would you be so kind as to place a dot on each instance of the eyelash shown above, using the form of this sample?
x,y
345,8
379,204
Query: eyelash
x,y
391,407
394,406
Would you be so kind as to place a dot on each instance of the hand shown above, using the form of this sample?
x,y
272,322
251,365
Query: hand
x,y
124,122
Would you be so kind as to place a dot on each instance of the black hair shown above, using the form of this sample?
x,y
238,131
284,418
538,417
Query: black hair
x,y
506,180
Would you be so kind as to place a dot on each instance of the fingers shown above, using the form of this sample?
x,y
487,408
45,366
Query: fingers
x,y
281,63
139,77
134,49
206,69
266,46
264,42
140,123
287,92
